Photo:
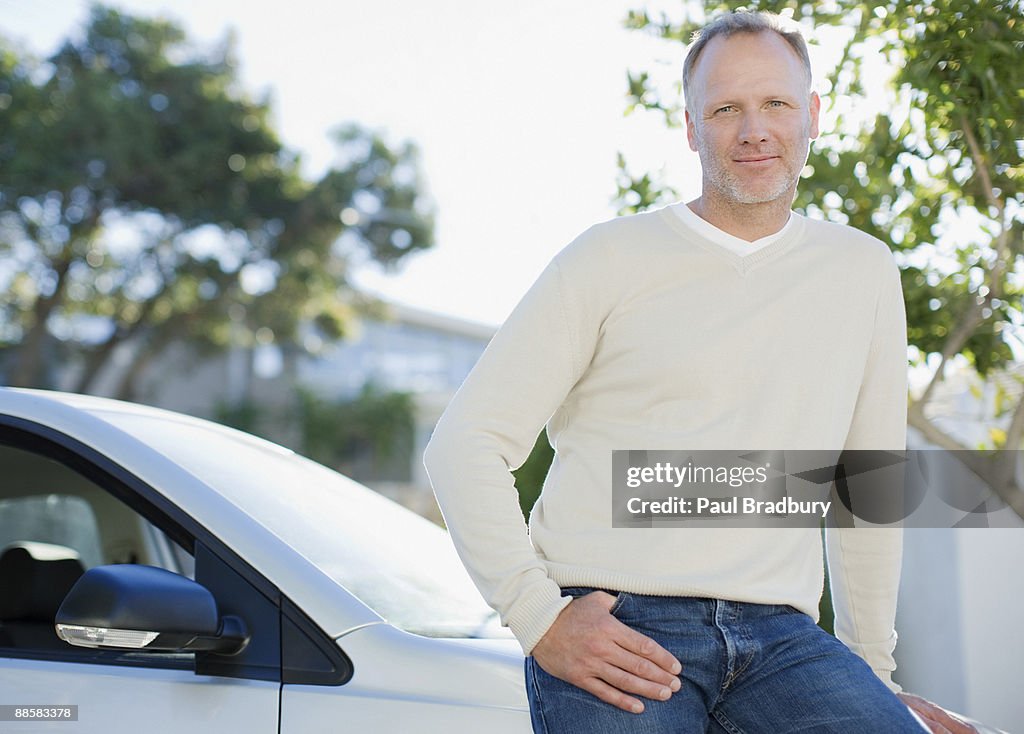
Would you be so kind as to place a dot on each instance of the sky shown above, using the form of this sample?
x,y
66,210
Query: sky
x,y
517,108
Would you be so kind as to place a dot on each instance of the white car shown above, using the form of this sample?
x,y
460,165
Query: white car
x,y
214,582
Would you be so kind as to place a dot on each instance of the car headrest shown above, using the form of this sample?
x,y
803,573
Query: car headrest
x,y
35,578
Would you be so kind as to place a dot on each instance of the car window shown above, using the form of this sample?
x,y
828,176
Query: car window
x,y
54,525
52,518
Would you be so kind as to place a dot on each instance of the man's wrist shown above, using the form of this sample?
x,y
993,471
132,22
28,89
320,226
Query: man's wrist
x,y
531,618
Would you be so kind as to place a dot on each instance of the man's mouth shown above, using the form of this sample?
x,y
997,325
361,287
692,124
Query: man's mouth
x,y
755,159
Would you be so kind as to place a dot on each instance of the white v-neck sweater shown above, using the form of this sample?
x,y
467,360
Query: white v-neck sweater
x,y
643,334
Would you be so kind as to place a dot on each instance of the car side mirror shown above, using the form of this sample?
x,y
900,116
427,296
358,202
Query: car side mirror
x,y
127,606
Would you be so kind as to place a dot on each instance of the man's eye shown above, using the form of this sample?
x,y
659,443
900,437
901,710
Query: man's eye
x,y
776,103
727,108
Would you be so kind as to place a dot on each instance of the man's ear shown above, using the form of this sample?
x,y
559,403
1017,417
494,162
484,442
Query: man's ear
x,y
815,109
691,133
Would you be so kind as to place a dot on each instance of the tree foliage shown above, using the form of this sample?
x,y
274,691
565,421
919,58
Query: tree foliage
x,y
145,199
366,437
938,172
376,428
530,476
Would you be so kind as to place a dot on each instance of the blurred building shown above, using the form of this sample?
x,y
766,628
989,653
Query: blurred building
x,y
414,351
407,350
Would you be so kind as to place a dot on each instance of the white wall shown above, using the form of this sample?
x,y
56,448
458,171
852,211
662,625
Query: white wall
x,y
961,621
992,597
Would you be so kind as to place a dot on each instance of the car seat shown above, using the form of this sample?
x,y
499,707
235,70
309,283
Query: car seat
x,y
34,579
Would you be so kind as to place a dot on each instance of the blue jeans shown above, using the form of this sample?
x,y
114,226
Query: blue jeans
x,y
747,669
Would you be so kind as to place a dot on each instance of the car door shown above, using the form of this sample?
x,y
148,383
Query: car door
x,y
64,510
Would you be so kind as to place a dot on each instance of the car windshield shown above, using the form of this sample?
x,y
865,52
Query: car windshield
x,y
398,563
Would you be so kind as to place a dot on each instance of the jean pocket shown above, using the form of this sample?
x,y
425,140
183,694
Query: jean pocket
x,y
577,591
621,598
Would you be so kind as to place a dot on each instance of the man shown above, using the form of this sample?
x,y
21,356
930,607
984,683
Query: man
x,y
729,322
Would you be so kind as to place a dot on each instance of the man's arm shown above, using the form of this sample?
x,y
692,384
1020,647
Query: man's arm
x,y
864,563
488,429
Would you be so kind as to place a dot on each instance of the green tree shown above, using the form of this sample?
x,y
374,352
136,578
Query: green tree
x,y
146,199
530,476
367,437
938,173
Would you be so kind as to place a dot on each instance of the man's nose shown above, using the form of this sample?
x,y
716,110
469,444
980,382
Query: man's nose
x,y
753,128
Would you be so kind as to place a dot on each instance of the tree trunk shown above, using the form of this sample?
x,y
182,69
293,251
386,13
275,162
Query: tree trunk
x,y
28,363
99,357
127,388
96,360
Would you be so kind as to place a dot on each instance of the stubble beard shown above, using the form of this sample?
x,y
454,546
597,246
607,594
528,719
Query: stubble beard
x,y
732,188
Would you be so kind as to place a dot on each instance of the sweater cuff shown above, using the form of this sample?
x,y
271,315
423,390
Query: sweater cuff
x,y
886,677
532,615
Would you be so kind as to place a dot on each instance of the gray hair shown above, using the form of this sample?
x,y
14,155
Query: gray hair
x,y
743,21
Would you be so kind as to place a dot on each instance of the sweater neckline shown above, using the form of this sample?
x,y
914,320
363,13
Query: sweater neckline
x,y
742,263
720,237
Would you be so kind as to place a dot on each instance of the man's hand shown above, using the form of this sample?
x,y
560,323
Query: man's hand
x,y
591,649
937,718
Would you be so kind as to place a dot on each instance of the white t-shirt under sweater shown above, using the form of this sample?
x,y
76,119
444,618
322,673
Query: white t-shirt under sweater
x,y
728,241
644,334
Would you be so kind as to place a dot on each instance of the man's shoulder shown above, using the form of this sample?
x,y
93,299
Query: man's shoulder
x,y
610,237
635,224
852,241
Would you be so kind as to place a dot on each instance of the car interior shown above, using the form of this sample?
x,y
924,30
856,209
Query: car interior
x,y
54,525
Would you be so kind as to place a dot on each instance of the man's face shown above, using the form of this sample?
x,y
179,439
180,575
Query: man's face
x,y
751,118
